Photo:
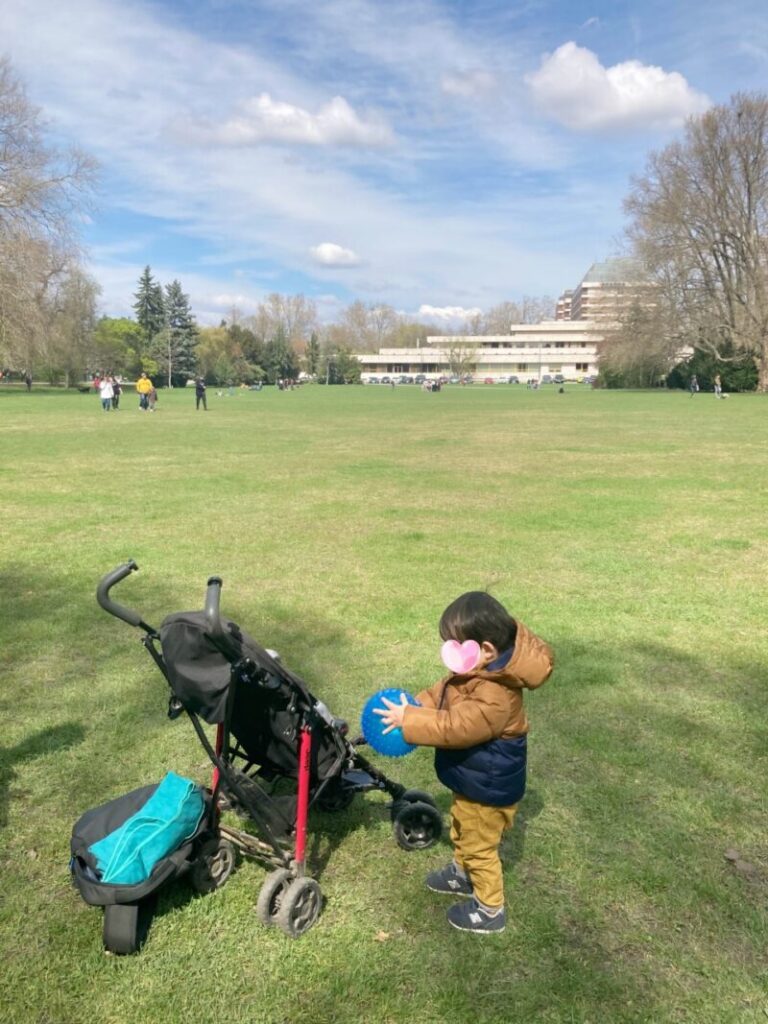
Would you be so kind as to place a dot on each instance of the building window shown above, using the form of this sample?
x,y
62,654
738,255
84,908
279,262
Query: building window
x,y
559,344
522,367
582,367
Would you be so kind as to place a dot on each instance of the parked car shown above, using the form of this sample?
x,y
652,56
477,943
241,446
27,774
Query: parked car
x,y
546,379
386,380
489,380
513,379
559,378
419,378
373,380
454,380
405,379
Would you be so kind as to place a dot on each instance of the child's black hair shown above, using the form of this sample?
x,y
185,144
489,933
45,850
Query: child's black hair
x,y
478,616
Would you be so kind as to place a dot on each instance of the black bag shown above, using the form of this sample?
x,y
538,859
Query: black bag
x,y
127,908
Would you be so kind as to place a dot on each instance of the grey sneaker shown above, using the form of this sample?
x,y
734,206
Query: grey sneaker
x,y
470,917
448,880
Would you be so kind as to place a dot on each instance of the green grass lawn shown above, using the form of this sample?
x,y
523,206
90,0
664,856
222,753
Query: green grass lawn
x,y
628,529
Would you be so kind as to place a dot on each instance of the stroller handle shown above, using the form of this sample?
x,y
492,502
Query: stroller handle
x,y
216,630
105,585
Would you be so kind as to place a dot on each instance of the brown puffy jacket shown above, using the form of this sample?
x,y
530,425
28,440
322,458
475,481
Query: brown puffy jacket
x,y
462,711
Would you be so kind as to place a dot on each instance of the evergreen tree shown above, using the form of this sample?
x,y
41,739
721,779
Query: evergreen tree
x,y
312,355
279,357
149,307
339,366
180,335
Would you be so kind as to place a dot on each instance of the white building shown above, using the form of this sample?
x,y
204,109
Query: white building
x,y
606,289
529,351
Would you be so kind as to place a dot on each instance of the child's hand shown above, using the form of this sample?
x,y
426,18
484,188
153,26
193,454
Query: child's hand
x,y
392,715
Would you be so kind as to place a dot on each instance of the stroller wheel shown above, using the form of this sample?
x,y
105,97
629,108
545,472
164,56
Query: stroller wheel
x,y
411,796
299,907
126,926
417,826
215,863
271,895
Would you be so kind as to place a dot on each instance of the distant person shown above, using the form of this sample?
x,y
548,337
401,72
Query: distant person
x,y
694,385
144,386
718,386
28,381
106,393
152,398
200,394
116,392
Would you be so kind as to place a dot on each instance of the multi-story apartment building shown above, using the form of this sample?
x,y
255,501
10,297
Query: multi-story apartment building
x,y
563,311
529,351
605,290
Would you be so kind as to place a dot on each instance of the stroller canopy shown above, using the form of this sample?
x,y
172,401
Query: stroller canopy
x,y
198,672
265,722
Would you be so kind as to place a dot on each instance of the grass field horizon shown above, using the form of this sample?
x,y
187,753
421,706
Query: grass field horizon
x,y
627,528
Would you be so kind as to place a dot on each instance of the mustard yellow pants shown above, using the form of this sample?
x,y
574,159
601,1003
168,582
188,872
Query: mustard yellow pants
x,y
476,831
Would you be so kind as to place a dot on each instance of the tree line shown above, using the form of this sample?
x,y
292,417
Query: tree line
x,y
697,223
47,300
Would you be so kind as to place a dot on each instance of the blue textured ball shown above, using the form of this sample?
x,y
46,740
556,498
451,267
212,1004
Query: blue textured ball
x,y
393,744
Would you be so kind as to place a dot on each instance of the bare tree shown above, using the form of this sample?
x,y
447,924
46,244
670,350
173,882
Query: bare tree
x,y
70,327
42,192
369,326
499,319
535,308
636,350
41,188
295,314
700,223
460,354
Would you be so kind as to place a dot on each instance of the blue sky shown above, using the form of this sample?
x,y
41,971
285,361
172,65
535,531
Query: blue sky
x,y
438,155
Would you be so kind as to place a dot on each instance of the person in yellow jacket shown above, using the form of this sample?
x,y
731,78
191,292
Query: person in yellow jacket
x,y
477,724
144,386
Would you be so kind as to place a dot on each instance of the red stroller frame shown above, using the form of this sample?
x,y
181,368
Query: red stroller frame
x,y
267,721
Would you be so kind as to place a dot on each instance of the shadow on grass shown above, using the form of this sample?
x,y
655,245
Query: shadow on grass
x,y
513,843
634,759
38,744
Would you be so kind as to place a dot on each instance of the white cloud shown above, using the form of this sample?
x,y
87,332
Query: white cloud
x,y
264,119
328,254
195,213
573,87
468,84
448,314
228,300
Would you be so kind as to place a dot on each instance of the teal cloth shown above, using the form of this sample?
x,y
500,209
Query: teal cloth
x,y
172,814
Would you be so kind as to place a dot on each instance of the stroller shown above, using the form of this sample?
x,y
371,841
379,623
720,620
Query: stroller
x,y
278,751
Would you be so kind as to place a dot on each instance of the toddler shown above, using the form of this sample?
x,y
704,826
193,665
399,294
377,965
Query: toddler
x,y
478,726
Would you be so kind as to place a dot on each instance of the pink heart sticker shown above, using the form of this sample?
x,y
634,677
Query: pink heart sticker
x,y
460,658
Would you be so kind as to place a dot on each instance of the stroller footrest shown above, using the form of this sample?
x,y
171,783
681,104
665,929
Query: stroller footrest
x,y
358,779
